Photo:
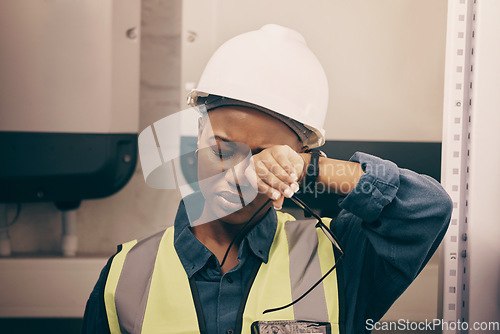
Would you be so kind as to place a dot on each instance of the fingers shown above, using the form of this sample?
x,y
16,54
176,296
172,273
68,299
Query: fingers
x,y
276,176
289,161
278,204
267,190
274,179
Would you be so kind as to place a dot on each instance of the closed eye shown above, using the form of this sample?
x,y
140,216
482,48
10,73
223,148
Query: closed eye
x,y
222,153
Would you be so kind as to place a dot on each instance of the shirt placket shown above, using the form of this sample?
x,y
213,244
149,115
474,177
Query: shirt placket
x,y
230,289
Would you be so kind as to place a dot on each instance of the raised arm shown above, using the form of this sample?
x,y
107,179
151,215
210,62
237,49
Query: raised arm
x,y
391,223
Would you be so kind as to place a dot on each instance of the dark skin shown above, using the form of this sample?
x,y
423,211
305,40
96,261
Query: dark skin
x,y
279,164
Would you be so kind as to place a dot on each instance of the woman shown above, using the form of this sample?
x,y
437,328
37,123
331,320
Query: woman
x,y
242,265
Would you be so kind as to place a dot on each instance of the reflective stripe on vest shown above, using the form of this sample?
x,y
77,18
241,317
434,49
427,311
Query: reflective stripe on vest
x,y
148,290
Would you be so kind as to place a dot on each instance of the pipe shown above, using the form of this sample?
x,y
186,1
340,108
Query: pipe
x,y
69,240
5,249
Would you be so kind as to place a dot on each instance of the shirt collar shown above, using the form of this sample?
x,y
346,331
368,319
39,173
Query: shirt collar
x,y
261,236
194,255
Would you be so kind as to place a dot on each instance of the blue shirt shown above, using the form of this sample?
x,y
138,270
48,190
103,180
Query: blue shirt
x,y
390,225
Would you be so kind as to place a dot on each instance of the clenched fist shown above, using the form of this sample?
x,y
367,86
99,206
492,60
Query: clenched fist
x,y
277,170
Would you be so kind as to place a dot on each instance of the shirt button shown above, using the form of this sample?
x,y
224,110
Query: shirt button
x,y
367,188
230,280
229,331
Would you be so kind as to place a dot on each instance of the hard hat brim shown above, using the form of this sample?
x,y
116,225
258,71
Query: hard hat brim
x,y
308,135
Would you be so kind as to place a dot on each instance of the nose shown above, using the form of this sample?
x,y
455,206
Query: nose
x,y
235,175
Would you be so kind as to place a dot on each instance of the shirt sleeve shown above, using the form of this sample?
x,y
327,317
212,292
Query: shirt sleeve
x,y
390,225
95,319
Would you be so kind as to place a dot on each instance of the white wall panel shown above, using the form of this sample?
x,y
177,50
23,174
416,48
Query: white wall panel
x,y
384,59
484,181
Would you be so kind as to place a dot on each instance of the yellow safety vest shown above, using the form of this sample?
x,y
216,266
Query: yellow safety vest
x,y
148,290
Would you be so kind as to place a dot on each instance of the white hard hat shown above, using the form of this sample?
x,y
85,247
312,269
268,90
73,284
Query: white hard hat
x,y
273,70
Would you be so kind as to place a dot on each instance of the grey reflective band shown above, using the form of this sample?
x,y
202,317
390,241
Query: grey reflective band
x,y
132,291
305,270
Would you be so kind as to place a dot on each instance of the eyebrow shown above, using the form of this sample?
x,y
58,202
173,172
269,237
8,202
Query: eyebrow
x,y
256,151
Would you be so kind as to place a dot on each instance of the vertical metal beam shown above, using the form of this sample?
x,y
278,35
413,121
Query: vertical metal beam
x,y
456,158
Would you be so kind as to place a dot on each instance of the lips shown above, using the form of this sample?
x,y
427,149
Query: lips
x,y
230,197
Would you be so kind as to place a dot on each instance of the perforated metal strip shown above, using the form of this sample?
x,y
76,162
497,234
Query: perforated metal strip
x,y
456,151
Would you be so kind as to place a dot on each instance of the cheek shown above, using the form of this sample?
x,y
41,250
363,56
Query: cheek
x,y
260,200
209,174
208,166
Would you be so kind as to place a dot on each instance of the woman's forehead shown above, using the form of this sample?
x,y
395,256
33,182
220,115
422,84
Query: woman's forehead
x,y
250,126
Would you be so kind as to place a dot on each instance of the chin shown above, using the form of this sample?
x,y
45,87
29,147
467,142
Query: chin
x,y
232,214
239,217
